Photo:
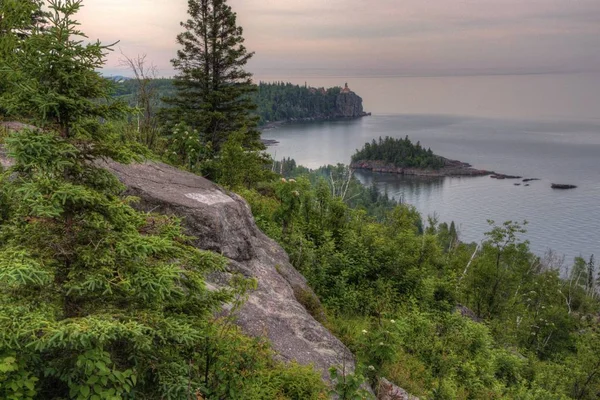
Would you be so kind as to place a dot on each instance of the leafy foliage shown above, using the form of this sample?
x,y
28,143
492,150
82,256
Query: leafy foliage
x,y
391,288
17,20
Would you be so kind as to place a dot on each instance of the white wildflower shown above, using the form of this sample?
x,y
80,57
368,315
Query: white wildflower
x,y
372,368
392,321
364,331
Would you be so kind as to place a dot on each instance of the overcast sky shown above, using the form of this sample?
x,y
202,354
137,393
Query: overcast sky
x,y
347,37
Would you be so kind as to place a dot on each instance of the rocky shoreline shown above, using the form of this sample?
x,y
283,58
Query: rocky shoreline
x,y
450,168
275,124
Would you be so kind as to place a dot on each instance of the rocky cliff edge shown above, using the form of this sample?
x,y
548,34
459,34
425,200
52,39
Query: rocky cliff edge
x,y
222,222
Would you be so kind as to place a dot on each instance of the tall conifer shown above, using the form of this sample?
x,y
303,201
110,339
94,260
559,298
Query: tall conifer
x,y
212,86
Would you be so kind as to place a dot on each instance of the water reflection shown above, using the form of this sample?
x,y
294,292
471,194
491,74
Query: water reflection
x,y
407,189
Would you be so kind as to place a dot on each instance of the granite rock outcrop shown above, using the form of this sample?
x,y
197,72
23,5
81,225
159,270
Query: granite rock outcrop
x,y
222,222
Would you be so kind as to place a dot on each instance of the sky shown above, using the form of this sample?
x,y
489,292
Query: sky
x,y
371,37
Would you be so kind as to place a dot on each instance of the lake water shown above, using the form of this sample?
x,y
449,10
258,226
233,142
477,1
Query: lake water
x,y
537,126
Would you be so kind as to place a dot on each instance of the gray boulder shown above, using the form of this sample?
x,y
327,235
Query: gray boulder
x,y
222,222
388,391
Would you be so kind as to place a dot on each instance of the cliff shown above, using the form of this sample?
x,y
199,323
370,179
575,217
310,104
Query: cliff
x,y
348,105
222,222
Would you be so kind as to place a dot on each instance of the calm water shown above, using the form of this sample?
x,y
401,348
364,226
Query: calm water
x,y
493,123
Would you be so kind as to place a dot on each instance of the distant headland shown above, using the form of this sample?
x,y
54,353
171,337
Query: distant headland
x,y
276,102
280,103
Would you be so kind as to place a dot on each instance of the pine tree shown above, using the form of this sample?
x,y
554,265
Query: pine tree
x,y
97,300
213,89
18,18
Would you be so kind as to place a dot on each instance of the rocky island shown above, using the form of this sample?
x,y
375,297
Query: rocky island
x,y
563,186
449,168
401,156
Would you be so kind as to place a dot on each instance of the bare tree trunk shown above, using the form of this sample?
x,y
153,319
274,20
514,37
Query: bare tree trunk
x,y
469,264
144,72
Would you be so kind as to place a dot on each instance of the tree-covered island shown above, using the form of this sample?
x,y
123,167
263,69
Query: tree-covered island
x,y
401,156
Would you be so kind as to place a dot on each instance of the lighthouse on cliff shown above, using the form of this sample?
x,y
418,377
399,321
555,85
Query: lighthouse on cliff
x,y
346,89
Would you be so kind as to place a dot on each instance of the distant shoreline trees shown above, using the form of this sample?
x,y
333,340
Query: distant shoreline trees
x,y
280,101
275,101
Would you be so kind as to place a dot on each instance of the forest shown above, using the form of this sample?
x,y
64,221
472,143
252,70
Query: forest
x,y
281,101
398,152
276,102
99,300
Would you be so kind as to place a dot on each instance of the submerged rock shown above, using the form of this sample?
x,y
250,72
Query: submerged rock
x,y
563,186
503,176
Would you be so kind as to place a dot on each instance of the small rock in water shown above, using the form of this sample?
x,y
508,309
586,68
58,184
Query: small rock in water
x,y
562,186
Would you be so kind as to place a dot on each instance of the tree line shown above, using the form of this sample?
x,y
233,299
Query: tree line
x,y
441,318
275,102
282,101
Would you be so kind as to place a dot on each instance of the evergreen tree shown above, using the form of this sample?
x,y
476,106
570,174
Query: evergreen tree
x,y
97,300
17,20
213,89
